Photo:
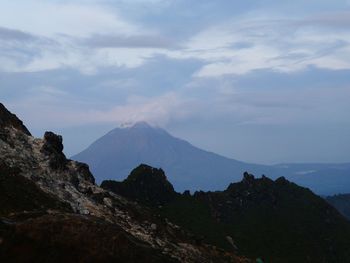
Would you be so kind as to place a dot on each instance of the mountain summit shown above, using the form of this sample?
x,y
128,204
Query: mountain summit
x,y
115,154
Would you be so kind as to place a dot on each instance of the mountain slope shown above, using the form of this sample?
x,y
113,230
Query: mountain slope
x,y
341,203
51,210
114,155
276,220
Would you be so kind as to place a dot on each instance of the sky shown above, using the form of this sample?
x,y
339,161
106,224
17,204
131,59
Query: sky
x,y
259,81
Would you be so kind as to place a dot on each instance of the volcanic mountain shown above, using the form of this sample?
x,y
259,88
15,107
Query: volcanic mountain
x,y
115,154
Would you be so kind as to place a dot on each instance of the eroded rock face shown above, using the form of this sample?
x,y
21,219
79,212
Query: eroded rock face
x,y
54,186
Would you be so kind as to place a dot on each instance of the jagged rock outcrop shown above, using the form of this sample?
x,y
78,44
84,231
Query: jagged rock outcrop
x,y
259,217
277,220
55,212
53,147
145,184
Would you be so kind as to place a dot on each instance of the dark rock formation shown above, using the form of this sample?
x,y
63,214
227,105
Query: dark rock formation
x,y
144,184
53,143
277,220
53,147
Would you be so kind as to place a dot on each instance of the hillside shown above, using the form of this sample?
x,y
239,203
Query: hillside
x,y
51,210
276,220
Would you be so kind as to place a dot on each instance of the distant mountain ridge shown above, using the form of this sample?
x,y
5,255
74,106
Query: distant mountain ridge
x,y
115,154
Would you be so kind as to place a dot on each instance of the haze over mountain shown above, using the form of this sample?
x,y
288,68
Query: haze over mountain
x,y
115,154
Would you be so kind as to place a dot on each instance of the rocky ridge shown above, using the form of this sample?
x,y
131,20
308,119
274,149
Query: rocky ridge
x,y
41,164
258,217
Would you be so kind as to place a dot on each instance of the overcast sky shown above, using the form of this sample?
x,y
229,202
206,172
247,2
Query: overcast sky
x,y
259,81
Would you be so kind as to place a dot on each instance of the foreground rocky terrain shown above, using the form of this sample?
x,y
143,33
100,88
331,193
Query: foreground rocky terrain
x,y
258,217
51,210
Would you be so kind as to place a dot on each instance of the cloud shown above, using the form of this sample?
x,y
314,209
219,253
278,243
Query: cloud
x,y
7,34
51,18
158,110
285,45
64,53
336,20
48,90
83,36
55,112
90,36
136,41
253,67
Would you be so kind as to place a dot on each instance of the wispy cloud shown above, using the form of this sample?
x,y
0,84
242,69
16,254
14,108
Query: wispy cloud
x,y
7,34
51,18
275,44
102,38
136,41
158,110
238,63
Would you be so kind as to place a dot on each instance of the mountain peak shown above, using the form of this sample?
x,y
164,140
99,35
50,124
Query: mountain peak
x,y
142,125
133,125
